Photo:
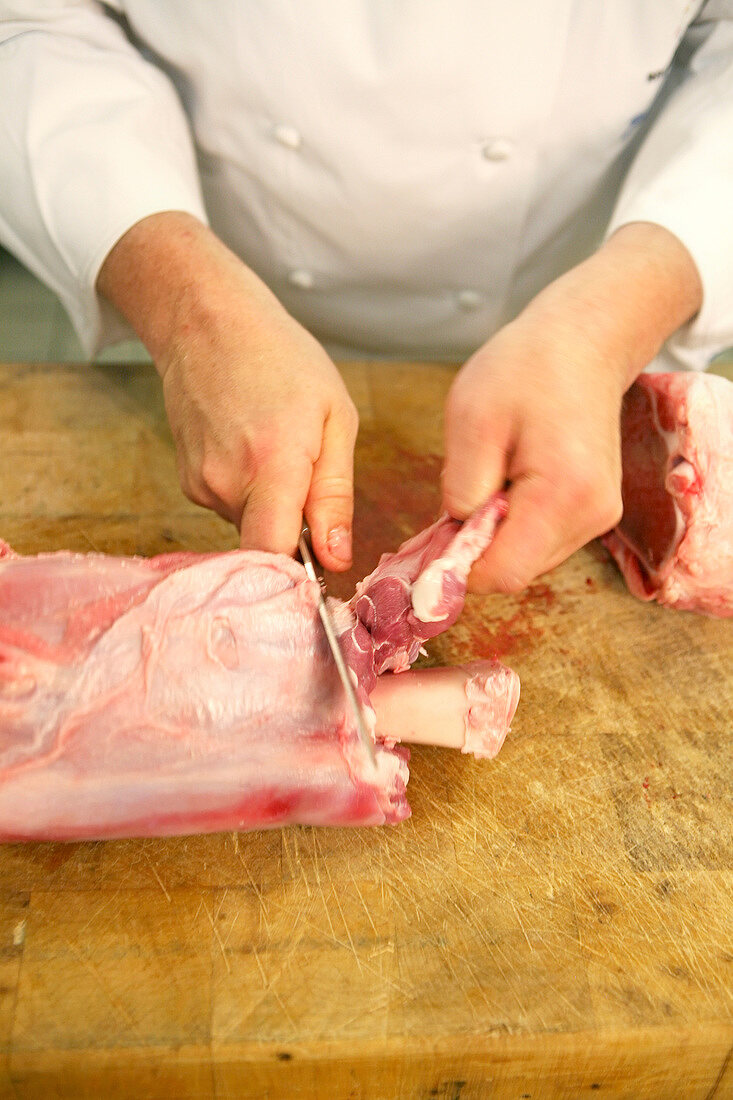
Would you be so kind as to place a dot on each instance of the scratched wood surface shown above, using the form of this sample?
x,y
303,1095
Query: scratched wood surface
x,y
554,923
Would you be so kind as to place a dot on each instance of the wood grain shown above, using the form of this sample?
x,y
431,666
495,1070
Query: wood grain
x,y
558,922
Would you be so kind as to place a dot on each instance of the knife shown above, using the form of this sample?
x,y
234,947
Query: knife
x,y
333,642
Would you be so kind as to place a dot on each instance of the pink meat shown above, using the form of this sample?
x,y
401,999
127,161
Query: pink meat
x,y
192,693
418,592
674,543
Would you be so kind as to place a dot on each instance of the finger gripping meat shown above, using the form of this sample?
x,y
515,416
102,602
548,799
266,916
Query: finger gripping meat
x,y
191,693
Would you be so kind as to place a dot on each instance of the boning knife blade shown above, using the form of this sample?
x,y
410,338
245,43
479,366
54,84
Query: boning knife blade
x,y
333,642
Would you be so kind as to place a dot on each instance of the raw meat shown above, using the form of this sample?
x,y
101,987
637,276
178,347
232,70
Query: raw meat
x,y
674,543
418,592
192,693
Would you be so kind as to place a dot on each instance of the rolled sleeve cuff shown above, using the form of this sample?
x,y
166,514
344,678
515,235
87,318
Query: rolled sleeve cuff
x,y
704,235
96,321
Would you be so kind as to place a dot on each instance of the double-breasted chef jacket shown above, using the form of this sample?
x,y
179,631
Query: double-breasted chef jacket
x,y
404,174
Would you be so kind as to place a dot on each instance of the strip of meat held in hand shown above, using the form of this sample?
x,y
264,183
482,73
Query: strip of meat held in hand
x,y
674,543
418,592
194,693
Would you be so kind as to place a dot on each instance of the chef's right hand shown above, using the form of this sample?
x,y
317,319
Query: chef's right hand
x,y
263,424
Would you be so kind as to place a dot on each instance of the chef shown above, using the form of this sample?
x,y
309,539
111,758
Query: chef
x,y
543,190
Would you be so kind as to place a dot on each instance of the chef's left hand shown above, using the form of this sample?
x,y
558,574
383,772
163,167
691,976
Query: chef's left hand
x,y
539,404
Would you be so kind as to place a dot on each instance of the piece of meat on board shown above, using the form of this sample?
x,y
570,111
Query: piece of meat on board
x,y
674,543
193,693
200,697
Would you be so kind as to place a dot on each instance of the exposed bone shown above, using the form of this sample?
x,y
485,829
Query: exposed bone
x,y
467,707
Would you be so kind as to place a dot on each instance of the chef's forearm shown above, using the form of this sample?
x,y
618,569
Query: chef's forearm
x,y
632,295
169,275
653,286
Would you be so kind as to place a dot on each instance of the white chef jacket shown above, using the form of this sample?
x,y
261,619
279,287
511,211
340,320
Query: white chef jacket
x,y
404,175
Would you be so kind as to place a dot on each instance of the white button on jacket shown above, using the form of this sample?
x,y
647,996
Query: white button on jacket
x,y
286,135
498,149
402,151
468,299
301,278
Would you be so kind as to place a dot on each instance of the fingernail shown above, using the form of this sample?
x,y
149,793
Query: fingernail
x,y
338,543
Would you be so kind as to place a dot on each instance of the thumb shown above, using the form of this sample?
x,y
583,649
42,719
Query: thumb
x,y
329,509
477,449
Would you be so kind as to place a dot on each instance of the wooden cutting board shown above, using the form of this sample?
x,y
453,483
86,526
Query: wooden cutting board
x,y
558,922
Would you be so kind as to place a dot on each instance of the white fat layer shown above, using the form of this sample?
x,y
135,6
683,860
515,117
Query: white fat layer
x,y
427,591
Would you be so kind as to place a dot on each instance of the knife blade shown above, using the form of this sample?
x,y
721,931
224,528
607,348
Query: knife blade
x,y
333,642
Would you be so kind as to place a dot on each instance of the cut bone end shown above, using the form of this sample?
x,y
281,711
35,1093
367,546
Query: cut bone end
x,y
468,707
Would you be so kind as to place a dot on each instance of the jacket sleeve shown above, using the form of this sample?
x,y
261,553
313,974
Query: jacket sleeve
x,y
682,178
95,140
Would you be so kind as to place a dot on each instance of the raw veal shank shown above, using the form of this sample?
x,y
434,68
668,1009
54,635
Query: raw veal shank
x,y
192,693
